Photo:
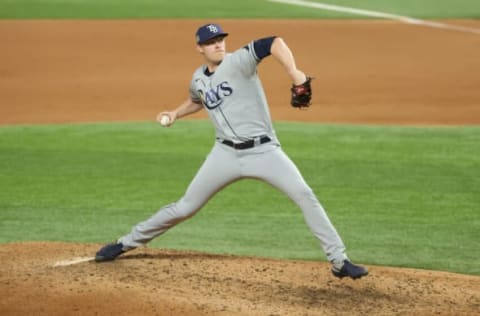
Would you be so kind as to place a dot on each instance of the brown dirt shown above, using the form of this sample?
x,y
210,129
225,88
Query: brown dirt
x,y
164,282
366,72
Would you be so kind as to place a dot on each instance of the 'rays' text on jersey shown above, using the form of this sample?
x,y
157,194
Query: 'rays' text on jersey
x,y
213,97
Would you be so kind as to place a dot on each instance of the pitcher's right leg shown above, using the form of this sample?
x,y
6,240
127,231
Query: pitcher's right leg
x,y
219,169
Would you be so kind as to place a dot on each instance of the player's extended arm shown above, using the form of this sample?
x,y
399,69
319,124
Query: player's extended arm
x,y
184,109
284,55
301,89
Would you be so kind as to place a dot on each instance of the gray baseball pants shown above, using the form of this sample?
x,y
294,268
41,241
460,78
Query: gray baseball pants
x,y
225,165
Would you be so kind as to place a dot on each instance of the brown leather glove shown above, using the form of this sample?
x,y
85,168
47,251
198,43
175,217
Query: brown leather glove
x,y
302,94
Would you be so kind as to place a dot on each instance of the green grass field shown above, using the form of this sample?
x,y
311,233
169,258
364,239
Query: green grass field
x,y
398,196
118,9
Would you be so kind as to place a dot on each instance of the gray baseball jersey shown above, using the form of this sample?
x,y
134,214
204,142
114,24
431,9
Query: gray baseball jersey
x,y
246,147
234,97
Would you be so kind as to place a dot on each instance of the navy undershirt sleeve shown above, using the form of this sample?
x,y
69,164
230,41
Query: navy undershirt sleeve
x,y
262,46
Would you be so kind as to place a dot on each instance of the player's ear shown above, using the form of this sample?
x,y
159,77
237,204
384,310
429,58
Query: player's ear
x,y
200,49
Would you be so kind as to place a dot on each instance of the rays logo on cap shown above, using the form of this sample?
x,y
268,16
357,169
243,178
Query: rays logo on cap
x,y
209,31
212,28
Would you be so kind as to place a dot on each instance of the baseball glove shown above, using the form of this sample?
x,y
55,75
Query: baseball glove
x,y
302,94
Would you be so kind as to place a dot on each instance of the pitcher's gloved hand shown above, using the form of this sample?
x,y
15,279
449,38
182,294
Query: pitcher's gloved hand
x,y
302,94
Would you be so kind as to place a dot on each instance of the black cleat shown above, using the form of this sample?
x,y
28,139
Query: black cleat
x,y
350,270
109,252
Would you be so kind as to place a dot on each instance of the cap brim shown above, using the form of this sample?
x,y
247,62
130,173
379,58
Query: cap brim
x,y
215,36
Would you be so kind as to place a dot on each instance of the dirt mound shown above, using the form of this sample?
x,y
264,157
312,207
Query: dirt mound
x,y
165,282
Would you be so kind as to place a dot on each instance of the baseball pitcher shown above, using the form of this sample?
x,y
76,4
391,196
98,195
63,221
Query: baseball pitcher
x,y
227,86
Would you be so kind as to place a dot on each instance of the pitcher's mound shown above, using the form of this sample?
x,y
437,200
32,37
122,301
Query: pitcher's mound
x,y
41,278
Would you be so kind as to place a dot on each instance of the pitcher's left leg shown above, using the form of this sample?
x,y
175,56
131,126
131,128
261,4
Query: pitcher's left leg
x,y
276,168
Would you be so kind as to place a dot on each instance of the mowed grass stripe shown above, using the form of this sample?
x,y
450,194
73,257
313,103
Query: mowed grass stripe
x,y
400,196
213,9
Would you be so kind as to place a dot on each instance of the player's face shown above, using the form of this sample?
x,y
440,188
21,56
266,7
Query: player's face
x,y
213,50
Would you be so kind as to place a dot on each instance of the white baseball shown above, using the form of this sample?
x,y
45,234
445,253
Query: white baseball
x,y
165,120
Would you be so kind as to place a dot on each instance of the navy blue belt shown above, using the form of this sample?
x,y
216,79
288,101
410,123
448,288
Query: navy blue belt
x,y
248,144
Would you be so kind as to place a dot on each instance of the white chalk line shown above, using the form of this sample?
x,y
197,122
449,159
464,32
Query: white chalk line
x,y
72,261
376,14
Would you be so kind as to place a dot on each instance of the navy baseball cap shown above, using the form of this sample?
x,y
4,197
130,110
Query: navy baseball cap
x,y
209,31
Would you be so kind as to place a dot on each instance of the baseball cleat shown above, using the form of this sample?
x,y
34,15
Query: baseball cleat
x,y
350,270
109,252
